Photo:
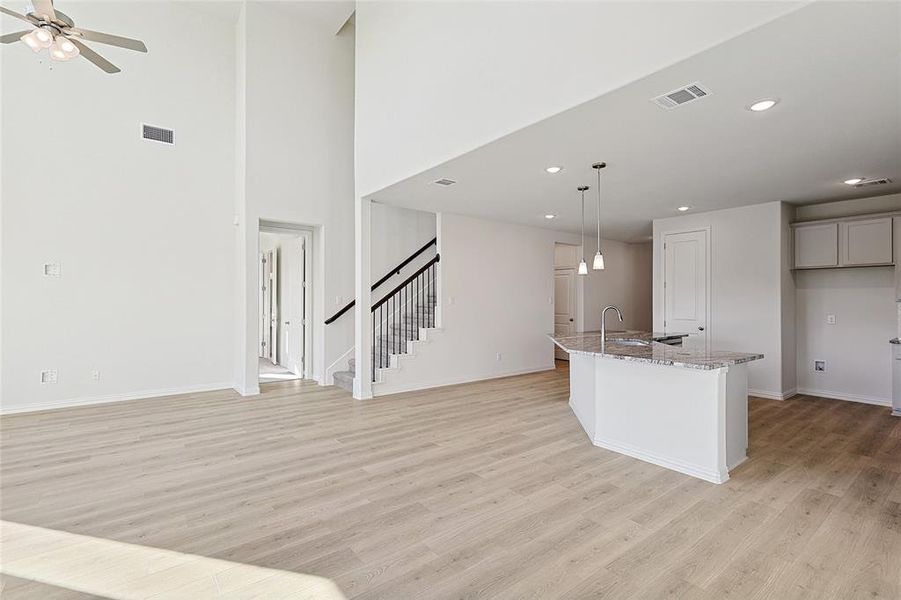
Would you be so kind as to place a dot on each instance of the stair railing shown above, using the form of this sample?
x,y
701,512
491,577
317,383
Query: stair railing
x,y
395,271
397,318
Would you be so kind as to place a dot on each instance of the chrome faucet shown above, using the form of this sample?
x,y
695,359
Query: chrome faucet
x,y
604,325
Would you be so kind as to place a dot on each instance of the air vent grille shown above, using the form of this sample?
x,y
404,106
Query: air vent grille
x,y
157,134
870,182
444,181
681,96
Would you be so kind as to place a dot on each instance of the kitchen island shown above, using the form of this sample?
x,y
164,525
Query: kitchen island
x,y
683,409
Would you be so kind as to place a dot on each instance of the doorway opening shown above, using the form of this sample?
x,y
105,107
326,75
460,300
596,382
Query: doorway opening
x,y
566,295
284,308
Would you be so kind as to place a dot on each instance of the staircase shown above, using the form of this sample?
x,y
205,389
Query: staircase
x,y
399,320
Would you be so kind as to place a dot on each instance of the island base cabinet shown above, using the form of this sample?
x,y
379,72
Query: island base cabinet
x,y
694,421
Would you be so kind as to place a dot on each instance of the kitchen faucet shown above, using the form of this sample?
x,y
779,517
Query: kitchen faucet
x,y
604,324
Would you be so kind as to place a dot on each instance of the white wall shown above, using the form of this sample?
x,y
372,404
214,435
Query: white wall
x,y
845,208
856,349
396,234
625,283
497,290
745,288
143,231
299,93
495,67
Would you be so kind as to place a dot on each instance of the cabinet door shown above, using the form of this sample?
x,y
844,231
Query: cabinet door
x,y
816,246
866,242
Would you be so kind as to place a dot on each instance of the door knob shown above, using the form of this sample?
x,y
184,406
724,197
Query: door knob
x,y
570,320
701,328
287,322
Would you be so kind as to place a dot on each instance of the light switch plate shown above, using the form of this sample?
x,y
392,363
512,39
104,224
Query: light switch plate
x,y
51,269
48,376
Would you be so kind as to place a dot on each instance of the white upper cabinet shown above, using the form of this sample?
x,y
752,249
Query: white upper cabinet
x,y
866,242
852,242
816,245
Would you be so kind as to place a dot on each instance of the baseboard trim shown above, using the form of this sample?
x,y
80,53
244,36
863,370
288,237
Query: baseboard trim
x,y
846,397
713,476
401,389
92,400
253,390
772,395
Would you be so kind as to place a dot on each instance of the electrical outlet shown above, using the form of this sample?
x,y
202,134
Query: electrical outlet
x,y
830,319
819,366
95,375
48,376
339,300
498,355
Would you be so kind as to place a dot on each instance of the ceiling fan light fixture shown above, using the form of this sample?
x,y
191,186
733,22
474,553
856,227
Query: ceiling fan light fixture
x,y
31,41
43,37
66,45
57,53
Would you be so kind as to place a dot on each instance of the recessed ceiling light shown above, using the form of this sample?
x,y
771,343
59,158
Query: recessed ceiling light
x,y
853,180
683,208
549,216
762,105
553,170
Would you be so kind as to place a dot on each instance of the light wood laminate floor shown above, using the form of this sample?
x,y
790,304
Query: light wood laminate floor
x,y
480,490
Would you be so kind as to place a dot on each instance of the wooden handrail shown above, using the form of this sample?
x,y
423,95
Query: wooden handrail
x,y
401,286
395,271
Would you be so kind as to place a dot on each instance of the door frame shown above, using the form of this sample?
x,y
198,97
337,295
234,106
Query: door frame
x,y
309,330
659,268
574,292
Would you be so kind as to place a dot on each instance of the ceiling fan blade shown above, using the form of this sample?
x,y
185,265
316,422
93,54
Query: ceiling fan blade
x,y
44,8
13,13
94,57
112,40
9,38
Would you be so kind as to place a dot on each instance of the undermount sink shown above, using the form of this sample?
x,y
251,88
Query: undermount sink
x,y
629,342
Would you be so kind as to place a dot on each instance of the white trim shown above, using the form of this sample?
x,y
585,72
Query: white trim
x,y
846,397
710,475
333,368
90,400
377,387
772,395
253,390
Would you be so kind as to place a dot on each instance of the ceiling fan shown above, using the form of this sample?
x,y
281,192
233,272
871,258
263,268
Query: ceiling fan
x,y
56,31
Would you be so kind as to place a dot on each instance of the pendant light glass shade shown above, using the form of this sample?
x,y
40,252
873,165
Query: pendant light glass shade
x,y
583,267
598,264
31,41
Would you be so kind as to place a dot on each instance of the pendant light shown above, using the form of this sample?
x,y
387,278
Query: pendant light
x,y
598,264
583,266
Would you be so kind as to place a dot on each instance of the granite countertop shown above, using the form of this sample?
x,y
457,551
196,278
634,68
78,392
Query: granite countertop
x,y
654,352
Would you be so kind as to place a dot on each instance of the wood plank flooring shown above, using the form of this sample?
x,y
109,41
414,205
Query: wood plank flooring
x,y
484,490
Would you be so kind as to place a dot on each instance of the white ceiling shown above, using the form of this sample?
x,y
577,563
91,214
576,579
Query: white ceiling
x,y
329,14
836,66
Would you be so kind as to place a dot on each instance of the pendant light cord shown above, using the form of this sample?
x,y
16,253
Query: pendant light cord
x,y
599,209
583,224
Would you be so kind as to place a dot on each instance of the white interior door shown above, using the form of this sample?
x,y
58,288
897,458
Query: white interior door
x,y
264,306
293,307
685,286
272,263
564,306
